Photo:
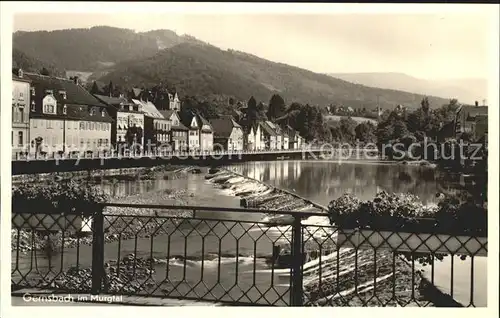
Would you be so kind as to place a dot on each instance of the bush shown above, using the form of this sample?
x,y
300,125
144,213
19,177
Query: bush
x,y
68,197
405,213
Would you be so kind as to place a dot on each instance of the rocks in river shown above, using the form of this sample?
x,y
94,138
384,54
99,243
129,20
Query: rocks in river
x,y
131,274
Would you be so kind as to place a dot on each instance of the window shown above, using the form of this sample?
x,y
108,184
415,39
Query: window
x,y
49,124
93,127
82,125
32,89
20,138
103,113
65,109
81,143
54,141
35,123
21,96
87,125
32,105
21,114
13,114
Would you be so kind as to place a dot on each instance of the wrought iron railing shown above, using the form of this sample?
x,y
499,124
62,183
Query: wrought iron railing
x,y
233,256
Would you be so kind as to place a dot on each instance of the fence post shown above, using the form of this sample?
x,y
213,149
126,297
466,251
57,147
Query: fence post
x,y
97,251
297,262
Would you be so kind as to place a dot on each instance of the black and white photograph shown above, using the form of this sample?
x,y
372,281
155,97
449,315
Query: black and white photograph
x,y
193,154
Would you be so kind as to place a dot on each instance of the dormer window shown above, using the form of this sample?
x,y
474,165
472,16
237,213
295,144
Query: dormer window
x,y
48,92
63,94
32,89
103,112
32,105
92,111
65,110
20,73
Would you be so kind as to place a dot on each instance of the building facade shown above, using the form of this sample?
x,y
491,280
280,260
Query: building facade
x,y
206,134
21,101
65,118
472,120
178,132
228,134
269,136
128,118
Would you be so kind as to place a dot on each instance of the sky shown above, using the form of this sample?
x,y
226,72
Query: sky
x,y
429,46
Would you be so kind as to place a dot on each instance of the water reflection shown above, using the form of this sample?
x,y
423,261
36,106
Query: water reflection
x,y
322,181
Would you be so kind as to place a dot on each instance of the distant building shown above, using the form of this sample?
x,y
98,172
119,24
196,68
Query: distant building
x,y
156,127
472,120
21,102
126,116
178,132
206,134
269,136
64,117
227,133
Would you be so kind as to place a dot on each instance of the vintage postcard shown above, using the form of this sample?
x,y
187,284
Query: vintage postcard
x,y
221,155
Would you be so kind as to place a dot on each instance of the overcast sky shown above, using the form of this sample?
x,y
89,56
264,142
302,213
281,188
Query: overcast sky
x,y
422,45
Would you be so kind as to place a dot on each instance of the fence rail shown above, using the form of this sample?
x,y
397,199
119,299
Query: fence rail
x,y
233,256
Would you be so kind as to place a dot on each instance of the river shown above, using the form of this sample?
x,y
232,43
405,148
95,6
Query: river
x,y
323,181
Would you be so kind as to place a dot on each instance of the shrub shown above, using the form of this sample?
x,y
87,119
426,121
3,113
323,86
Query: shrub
x,y
57,197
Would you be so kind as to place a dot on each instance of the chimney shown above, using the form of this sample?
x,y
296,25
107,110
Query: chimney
x,y
20,73
477,103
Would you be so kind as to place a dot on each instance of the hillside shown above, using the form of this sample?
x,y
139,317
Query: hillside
x,y
31,64
202,69
193,67
466,90
96,48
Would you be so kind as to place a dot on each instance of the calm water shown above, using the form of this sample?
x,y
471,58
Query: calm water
x,y
323,181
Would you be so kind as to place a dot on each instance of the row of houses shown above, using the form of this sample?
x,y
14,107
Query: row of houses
x,y
58,115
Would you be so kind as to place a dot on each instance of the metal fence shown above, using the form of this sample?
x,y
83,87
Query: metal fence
x,y
234,256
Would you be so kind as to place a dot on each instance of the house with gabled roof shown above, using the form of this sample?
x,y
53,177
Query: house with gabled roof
x,y
472,120
156,126
228,134
193,124
269,135
206,134
128,120
178,132
65,117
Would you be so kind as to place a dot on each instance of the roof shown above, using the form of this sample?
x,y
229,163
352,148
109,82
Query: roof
x,y
168,114
75,94
267,129
149,109
223,126
111,100
203,123
473,111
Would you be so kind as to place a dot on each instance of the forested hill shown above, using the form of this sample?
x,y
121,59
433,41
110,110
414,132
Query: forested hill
x,y
202,69
93,48
31,64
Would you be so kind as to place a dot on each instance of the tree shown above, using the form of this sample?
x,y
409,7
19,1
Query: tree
x,y
365,132
95,89
110,90
425,105
277,107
